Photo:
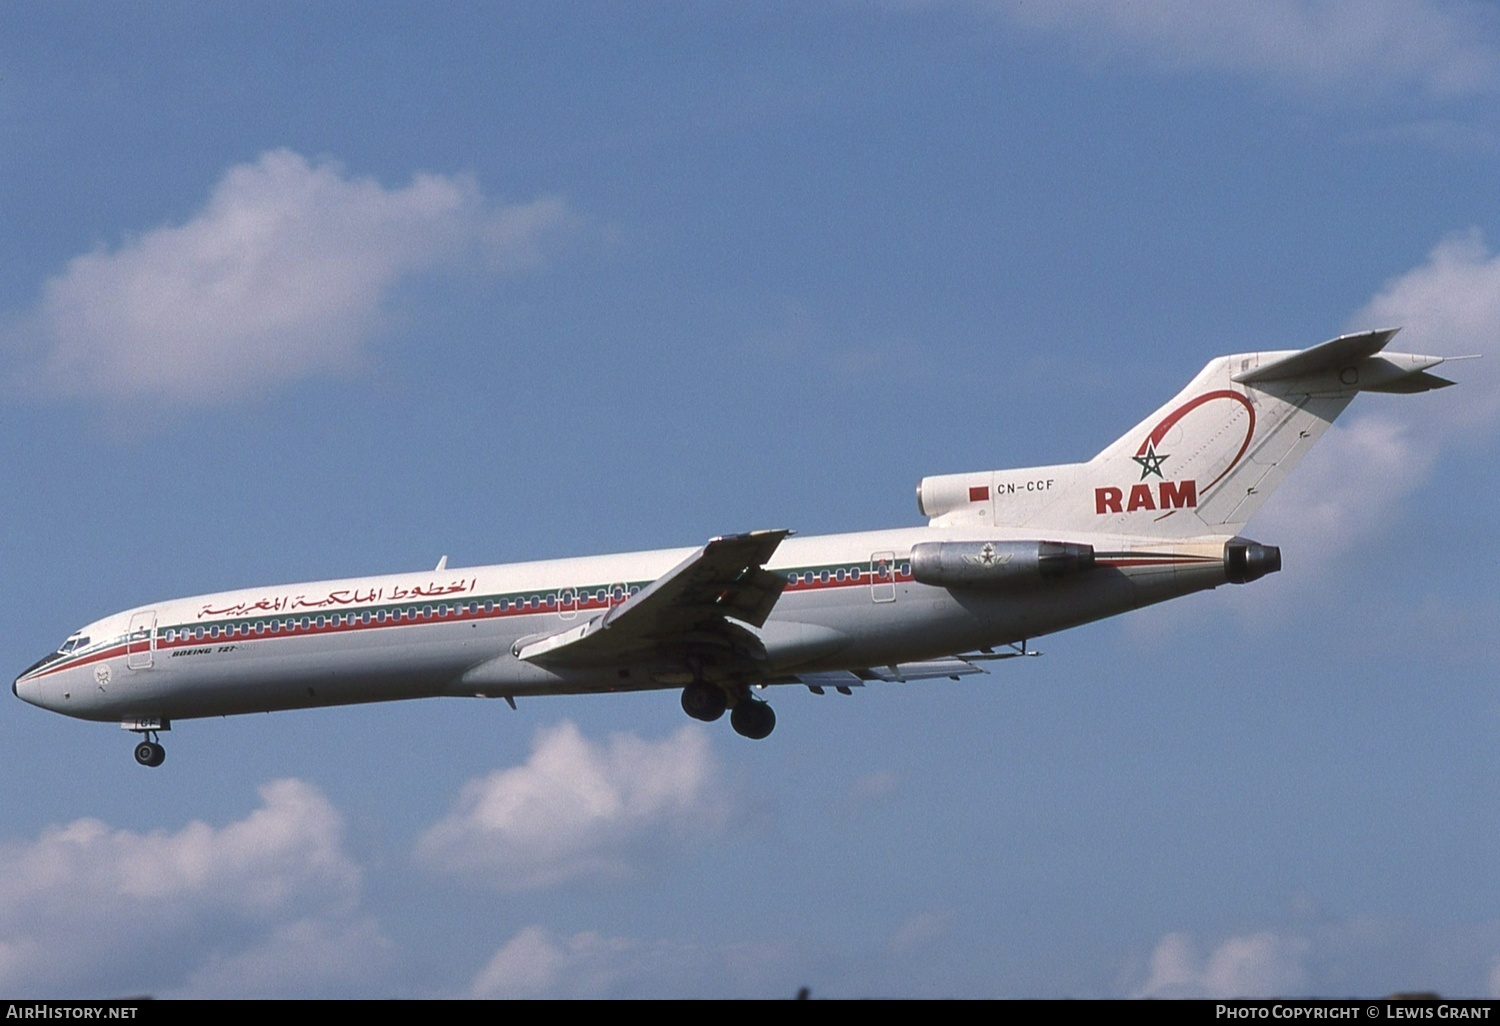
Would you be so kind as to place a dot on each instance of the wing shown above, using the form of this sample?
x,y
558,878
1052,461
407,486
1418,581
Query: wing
x,y
693,604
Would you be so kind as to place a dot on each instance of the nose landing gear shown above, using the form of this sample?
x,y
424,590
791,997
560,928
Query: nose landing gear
x,y
149,753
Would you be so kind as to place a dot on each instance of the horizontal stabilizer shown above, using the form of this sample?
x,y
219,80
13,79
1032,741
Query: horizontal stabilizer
x,y
1349,363
1421,381
1332,355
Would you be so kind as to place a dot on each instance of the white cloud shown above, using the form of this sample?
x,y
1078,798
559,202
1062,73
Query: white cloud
x,y
1442,49
1450,305
578,809
1346,491
535,963
307,958
1364,955
90,909
1260,965
280,276
1384,448
538,963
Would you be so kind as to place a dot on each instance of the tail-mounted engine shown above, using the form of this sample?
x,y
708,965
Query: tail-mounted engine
x,y
998,564
1246,561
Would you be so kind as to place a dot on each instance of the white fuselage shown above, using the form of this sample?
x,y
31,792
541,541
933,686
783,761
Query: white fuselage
x,y
851,603
1007,555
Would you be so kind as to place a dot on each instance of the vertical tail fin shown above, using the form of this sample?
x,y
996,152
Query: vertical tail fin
x,y
1204,462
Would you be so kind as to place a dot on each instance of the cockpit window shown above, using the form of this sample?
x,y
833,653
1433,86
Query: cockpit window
x,y
77,641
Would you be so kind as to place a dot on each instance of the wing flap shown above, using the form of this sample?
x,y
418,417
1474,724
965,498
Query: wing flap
x,y
952,667
840,680
928,669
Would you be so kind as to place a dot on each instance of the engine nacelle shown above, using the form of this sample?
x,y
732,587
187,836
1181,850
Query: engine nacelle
x,y
999,564
1246,561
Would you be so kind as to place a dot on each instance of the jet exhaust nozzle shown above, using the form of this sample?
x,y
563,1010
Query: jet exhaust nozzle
x,y
1246,560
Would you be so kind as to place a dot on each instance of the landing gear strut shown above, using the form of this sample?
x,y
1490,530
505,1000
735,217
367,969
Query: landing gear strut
x,y
703,701
753,719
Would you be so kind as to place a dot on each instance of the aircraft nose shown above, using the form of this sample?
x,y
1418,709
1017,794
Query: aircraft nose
x,y
20,690
24,687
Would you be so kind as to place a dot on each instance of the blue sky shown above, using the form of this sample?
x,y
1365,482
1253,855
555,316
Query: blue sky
x,y
295,292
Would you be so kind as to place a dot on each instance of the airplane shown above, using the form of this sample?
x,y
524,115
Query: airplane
x,y
1006,556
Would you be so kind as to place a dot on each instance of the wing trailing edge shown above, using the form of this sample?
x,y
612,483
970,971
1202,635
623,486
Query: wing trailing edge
x,y
952,667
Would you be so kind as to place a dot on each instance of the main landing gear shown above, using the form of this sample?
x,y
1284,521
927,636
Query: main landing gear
x,y
751,717
705,702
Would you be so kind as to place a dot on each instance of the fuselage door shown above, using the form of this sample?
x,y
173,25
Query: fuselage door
x,y
883,577
140,640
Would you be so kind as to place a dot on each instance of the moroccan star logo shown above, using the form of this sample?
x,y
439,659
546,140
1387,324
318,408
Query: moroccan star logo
x,y
1150,461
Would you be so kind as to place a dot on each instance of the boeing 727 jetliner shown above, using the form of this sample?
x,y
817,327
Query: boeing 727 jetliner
x,y
1006,556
